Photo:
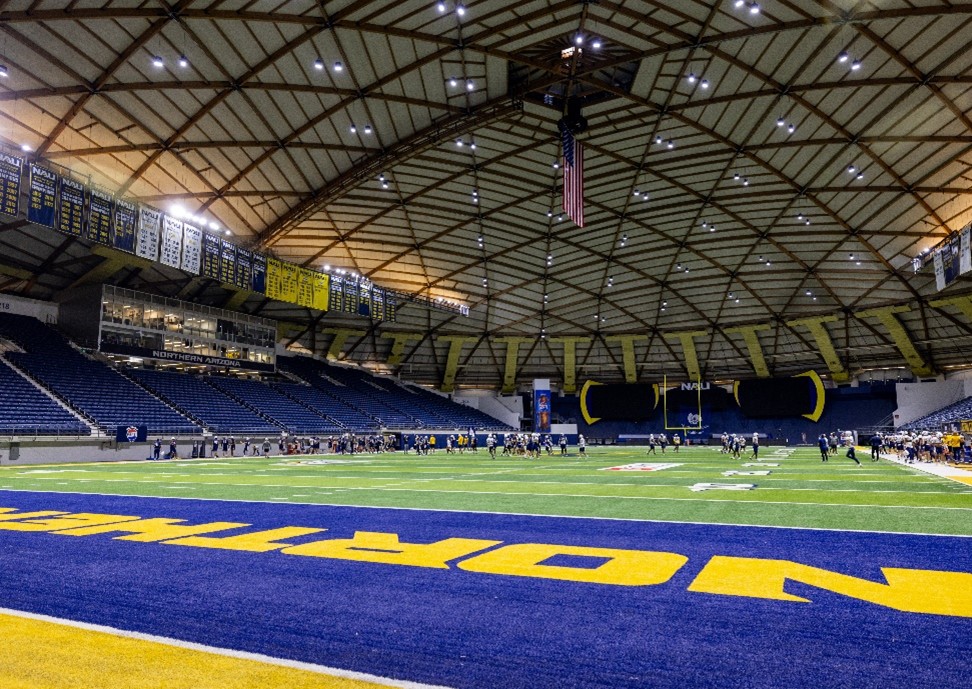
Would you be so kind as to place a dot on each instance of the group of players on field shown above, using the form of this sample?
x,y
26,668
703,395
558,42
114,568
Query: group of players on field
x,y
512,444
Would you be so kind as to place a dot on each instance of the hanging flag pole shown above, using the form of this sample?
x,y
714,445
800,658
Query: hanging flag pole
x,y
573,194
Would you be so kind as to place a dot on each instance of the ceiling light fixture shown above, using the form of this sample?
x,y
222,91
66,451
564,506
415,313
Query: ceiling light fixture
x,y
843,57
338,67
791,128
856,65
158,62
671,144
704,83
367,129
460,10
470,85
691,78
318,64
596,44
183,61
780,121
754,8
578,39
442,7
353,129
453,82
3,71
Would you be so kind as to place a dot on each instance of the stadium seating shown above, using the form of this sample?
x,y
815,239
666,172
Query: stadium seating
x,y
393,405
347,417
204,403
958,411
26,410
93,388
288,412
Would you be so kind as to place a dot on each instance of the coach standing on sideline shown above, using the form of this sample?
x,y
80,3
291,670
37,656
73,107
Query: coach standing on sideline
x,y
876,441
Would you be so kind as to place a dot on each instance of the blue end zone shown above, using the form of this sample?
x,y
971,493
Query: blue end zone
x,y
467,629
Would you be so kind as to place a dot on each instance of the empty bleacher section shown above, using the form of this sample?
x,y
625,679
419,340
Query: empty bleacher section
x,y
25,410
288,412
204,403
953,413
348,417
392,405
90,387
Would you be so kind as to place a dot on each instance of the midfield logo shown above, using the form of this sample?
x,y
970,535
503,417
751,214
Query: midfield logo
x,y
641,466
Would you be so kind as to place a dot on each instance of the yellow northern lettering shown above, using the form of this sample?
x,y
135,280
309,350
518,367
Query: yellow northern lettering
x,y
152,530
257,542
385,548
623,567
67,521
25,515
908,590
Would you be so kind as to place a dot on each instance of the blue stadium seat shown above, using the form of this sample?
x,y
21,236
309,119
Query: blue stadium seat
x,y
93,388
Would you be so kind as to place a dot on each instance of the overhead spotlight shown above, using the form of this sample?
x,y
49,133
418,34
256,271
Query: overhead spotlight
x,y
711,228
3,71
760,259
560,218
578,39
754,8
475,193
791,128
549,214
25,148
860,175
459,143
780,121
843,57
664,303
384,184
227,233
549,257
442,7
338,67
470,85
183,61
460,10
858,263
596,44
318,64
158,61
746,182
381,177
327,268
856,65
737,300
738,3
809,293
556,165
367,129
807,221
736,176
658,139
851,169
731,296
769,263
637,192
480,239
671,144
353,129
851,257
704,83
610,282
691,78
472,145
452,82
705,223
214,226
678,266
799,216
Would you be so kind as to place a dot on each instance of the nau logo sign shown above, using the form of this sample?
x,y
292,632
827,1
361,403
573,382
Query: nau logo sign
x,y
930,592
641,466
131,433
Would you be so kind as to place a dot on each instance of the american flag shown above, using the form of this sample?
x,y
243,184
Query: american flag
x,y
573,177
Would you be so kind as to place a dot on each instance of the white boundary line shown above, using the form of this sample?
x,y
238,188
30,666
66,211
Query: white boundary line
x,y
241,655
545,516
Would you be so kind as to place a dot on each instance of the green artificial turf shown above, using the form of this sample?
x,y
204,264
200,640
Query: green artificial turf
x,y
801,491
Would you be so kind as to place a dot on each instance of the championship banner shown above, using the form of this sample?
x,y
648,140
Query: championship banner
x,y
350,297
244,268
274,278
939,271
149,229
322,291
259,268
123,230
191,248
10,170
965,249
288,282
210,256
305,287
364,299
71,216
42,196
541,405
227,262
377,303
951,259
336,298
171,242
99,217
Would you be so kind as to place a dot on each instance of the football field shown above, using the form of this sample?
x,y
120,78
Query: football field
x,y
618,569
